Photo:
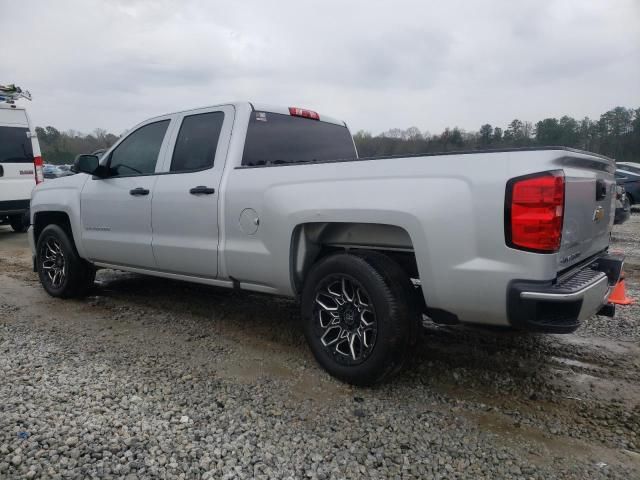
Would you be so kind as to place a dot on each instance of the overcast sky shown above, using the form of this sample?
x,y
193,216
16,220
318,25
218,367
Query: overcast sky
x,y
377,65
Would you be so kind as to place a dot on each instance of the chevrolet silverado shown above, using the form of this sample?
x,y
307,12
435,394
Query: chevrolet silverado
x,y
276,200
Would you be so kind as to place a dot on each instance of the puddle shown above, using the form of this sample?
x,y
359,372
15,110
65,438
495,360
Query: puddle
x,y
612,346
547,446
570,362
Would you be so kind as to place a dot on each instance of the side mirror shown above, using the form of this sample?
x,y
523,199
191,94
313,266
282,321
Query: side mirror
x,y
87,164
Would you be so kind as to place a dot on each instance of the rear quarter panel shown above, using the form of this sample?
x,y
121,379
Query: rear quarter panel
x,y
451,206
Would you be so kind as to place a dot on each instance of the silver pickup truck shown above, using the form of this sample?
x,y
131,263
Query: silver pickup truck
x,y
276,200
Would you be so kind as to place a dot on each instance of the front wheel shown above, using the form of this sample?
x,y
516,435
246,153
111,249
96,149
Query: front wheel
x,y
360,316
61,270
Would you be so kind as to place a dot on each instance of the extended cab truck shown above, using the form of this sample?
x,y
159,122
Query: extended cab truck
x,y
276,200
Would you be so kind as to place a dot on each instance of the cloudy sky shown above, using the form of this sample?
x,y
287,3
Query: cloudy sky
x,y
376,64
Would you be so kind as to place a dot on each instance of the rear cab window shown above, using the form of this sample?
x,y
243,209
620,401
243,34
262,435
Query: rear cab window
x,y
279,139
15,145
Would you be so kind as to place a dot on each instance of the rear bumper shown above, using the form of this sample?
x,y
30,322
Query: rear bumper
x,y
559,306
13,207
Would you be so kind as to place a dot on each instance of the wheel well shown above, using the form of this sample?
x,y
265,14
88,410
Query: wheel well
x,y
312,241
42,219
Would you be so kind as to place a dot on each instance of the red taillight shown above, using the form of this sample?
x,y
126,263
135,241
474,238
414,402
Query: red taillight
x,y
37,166
301,112
534,212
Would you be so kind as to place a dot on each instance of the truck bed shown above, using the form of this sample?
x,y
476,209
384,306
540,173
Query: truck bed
x,y
450,205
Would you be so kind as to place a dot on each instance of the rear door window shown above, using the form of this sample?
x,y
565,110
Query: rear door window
x,y
274,138
138,153
197,142
15,145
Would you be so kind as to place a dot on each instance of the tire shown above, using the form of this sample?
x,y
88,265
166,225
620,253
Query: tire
x,y
18,223
61,270
360,331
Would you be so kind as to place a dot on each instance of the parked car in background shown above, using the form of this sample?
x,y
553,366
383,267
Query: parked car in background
x,y
65,170
56,171
276,200
20,165
629,178
630,166
623,207
50,171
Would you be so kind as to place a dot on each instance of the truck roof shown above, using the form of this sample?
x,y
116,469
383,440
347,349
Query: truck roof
x,y
12,115
260,107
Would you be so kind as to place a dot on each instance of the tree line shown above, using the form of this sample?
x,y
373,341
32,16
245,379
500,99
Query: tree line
x,y
615,134
61,148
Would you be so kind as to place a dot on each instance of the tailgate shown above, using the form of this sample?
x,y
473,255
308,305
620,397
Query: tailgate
x,y
589,208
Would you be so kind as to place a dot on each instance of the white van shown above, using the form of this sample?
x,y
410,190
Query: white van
x,y
20,166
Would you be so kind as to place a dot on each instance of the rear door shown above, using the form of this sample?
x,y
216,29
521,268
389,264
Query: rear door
x,y
185,201
116,211
16,159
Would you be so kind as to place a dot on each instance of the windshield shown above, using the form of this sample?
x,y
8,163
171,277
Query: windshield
x,y
15,145
273,138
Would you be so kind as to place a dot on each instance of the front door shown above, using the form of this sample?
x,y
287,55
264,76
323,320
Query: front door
x,y
185,201
116,211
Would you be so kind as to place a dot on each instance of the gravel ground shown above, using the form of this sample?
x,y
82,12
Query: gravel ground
x,y
149,378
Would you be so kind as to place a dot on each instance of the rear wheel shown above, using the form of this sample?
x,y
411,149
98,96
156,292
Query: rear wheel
x,y
360,316
62,272
19,223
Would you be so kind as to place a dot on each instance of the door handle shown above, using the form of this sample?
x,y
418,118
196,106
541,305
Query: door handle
x,y
202,190
139,191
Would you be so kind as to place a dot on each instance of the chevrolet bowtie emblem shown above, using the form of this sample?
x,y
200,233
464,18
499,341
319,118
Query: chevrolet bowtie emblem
x,y
598,214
